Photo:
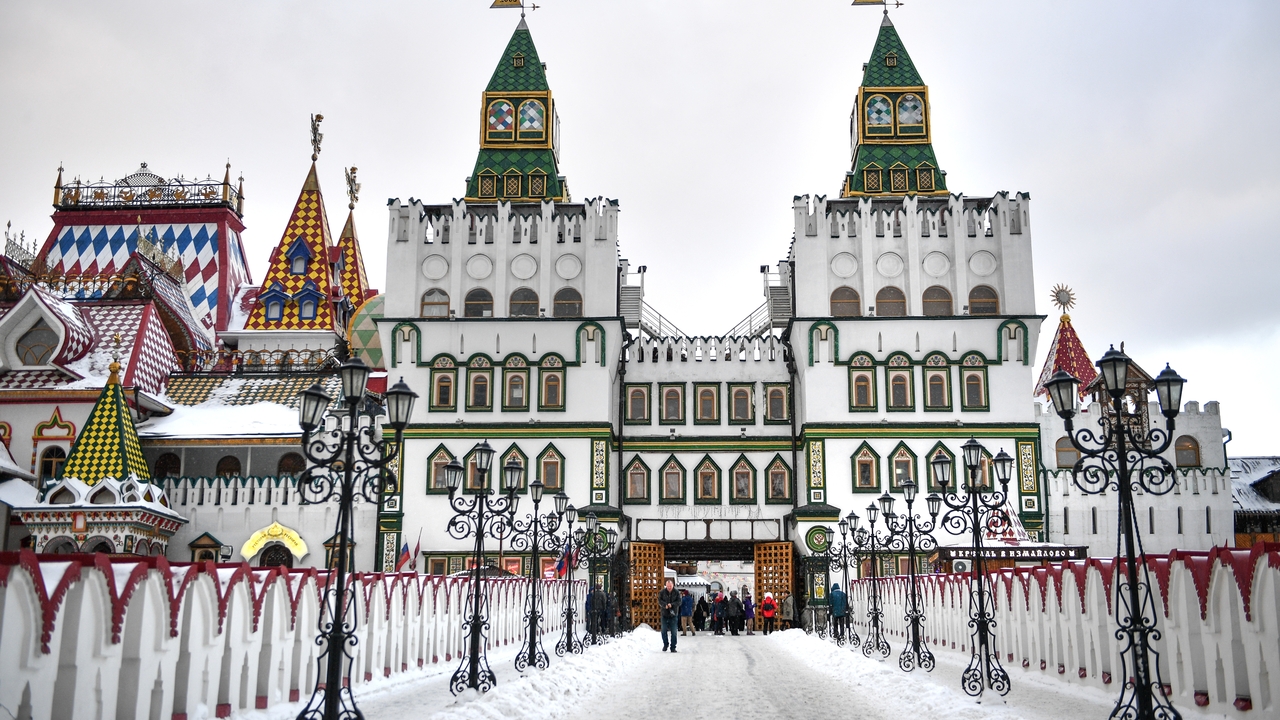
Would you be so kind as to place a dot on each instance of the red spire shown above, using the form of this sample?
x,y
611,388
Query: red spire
x,y
1067,353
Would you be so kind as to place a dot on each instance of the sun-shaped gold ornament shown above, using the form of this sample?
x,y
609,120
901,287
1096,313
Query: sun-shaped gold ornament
x,y
1063,297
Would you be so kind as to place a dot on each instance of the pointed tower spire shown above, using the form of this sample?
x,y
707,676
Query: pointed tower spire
x,y
352,276
519,132
57,188
1066,352
891,126
108,445
299,285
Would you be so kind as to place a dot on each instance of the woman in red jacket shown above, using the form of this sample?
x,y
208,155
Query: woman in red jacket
x,y
768,609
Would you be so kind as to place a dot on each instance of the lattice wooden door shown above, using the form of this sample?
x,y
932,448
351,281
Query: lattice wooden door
x,y
774,568
647,563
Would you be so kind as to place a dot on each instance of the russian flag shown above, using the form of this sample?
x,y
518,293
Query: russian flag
x,y
405,557
562,565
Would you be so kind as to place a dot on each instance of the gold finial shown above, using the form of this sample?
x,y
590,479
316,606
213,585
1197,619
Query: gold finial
x,y
57,187
316,136
353,188
114,367
1063,297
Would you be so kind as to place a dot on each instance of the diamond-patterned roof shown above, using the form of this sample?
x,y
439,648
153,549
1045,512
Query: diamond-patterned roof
x,y
354,279
309,223
363,332
1067,353
280,389
507,77
901,74
108,444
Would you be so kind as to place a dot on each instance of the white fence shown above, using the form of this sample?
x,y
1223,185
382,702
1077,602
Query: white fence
x,y
87,636
1219,616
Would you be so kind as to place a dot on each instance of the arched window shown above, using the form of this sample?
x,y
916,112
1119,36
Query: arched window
x,y
937,390
51,462
444,390
501,116
168,465
276,555
672,482
779,485
937,301
229,466
899,391
879,111
435,304
551,390
637,483
672,405
974,394
890,302
568,303
910,110
777,404
37,344
531,117
290,465
524,303
741,404
551,469
479,303
862,390
275,310
307,311
515,390
479,390
845,303
1186,451
1066,452
639,408
744,487
983,300
706,404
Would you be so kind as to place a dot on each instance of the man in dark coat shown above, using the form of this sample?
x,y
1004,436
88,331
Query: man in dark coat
x,y
700,612
597,606
669,605
839,611
734,612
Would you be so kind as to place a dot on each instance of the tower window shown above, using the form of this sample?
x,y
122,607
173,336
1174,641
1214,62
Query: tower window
x,y
879,111
479,303
890,302
777,404
51,462
897,183
1186,451
435,304
488,185
937,301
871,180
37,344
524,303
537,185
983,300
910,110
846,303
517,60
501,116
924,179
511,185
298,266
891,60
307,310
1066,452
638,405
568,303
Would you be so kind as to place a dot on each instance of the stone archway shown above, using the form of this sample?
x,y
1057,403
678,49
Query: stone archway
x,y
276,555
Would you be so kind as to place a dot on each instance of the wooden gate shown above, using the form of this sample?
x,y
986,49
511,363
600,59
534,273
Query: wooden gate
x,y
647,568
774,569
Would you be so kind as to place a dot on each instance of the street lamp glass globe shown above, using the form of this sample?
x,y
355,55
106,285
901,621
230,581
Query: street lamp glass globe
x,y
886,504
593,522
571,514
844,528
873,512
453,474
484,456
1115,371
612,535
355,376
1062,391
311,407
853,520
972,453
562,502
512,474
935,504
1004,466
399,405
535,490
941,465
909,490
1169,391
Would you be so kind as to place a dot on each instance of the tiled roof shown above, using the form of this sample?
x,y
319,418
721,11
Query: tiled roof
x,y
508,77
107,446
1067,353
902,73
283,390
363,333
524,160
354,279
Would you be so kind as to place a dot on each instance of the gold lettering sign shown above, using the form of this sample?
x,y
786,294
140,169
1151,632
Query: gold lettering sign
x,y
275,532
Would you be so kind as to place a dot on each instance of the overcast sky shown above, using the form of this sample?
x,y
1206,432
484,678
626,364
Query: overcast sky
x,y
1144,132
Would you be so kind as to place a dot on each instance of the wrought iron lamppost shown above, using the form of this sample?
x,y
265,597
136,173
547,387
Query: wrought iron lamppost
x,y
537,533
489,515
866,539
348,457
911,533
1124,456
843,554
980,510
570,642
622,565
597,545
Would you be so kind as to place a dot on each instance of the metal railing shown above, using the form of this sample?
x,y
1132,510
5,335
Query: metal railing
x,y
756,323
119,194
655,324
237,362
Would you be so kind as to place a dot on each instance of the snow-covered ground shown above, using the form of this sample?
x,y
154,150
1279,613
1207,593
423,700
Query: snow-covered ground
x,y
786,675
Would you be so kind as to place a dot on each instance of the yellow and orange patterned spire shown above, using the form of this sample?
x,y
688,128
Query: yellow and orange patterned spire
x,y
299,287
351,274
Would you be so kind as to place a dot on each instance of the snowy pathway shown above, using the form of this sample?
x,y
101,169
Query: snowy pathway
x,y
786,675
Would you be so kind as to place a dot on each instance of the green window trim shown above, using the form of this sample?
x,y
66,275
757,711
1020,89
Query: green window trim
x,y
474,374
441,452
551,452
869,372
980,371
939,447
902,453
698,389
452,375
707,466
865,454
786,404
508,374
750,389
627,497
514,451
544,375
628,416
777,462
891,374
671,463
742,463
662,404
929,372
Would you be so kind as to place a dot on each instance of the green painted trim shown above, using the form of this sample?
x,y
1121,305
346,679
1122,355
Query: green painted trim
x,y
933,452
480,431
733,482
543,373
874,395
684,482
648,400
430,463
453,393
502,458
786,403
697,403
507,374
697,480
875,467
472,374
602,341
750,387
551,449
662,403
835,340
790,481
1026,340
986,390
395,342
921,430
911,388
709,444
893,471
627,498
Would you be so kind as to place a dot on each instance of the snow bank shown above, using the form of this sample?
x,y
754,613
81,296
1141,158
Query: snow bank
x,y
213,418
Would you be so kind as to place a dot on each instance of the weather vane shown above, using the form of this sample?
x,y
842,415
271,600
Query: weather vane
x,y
316,135
513,4
353,188
1063,297
885,3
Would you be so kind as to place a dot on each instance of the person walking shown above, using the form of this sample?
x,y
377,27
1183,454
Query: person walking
x,y
787,611
768,609
700,613
669,604
734,612
686,613
749,611
597,612
717,614
839,611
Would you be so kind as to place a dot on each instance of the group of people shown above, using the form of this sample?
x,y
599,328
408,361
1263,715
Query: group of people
x,y
602,612
732,613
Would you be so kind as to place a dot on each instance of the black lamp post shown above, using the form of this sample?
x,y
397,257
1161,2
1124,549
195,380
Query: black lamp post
x,y
866,540
486,514
1123,456
348,457
980,510
570,642
537,533
622,565
597,546
911,533
844,553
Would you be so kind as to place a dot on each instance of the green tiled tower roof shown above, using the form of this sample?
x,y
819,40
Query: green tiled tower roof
x,y
108,445
520,146
894,153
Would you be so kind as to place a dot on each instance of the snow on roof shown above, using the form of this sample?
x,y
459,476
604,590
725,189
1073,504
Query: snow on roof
x,y
16,492
1245,471
213,418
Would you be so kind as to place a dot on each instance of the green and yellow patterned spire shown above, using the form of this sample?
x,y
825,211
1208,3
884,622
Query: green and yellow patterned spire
x,y
894,155
519,143
108,445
